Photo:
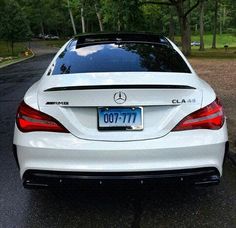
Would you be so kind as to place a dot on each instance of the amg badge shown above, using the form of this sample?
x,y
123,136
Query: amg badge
x,y
57,103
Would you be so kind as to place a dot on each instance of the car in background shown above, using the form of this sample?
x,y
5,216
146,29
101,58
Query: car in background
x,y
195,43
48,37
119,106
51,37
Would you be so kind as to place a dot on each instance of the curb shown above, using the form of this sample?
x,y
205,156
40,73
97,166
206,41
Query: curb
x,y
18,61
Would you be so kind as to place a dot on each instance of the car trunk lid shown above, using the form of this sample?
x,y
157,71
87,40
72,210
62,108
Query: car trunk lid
x,y
73,100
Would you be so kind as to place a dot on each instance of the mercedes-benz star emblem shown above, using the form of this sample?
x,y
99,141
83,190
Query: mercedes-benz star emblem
x,y
120,97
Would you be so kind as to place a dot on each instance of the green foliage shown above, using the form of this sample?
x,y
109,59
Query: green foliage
x,y
157,18
47,16
226,17
19,17
122,15
13,24
52,16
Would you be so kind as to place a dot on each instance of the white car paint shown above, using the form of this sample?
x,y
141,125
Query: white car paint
x,y
65,152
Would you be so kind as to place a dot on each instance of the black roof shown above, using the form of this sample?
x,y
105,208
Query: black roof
x,y
93,38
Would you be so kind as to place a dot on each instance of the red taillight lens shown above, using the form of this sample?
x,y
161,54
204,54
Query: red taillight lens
x,y
209,117
29,119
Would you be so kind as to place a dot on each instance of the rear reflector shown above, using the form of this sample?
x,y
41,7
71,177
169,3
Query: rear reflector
x,y
209,117
29,119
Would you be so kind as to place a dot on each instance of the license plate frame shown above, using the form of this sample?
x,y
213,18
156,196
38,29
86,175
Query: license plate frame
x,y
102,126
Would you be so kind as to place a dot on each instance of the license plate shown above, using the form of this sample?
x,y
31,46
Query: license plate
x,y
120,118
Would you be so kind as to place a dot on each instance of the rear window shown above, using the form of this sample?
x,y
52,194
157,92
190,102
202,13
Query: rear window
x,y
120,57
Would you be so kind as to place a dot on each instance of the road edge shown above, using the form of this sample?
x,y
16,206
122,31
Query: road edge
x,y
20,60
232,156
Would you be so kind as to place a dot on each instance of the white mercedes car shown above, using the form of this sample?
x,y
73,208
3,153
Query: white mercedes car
x,y
119,106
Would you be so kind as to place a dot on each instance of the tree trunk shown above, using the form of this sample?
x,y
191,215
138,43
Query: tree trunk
x,y
185,28
8,50
87,24
29,44
71,18
42,28
41,20
12,47
220,10
224,17
99,18
82,19
196,28
189,27
185,36
171,25
118,23
202,48
215,25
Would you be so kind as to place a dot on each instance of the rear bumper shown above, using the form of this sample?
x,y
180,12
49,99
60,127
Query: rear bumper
x,y
42,179
61,152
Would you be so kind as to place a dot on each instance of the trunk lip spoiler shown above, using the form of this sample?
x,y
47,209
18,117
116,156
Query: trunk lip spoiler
x,y
95,87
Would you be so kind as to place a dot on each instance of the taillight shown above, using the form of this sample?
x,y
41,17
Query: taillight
x,y
29,119
209,117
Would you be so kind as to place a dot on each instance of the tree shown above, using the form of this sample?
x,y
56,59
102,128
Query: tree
x,y
171,24
82,18
122,15
71,18
183,10
98,13
201,25
50,16
215,24
168,17
13,24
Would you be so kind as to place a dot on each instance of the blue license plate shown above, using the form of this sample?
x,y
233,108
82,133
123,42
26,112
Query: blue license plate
x,y
120,118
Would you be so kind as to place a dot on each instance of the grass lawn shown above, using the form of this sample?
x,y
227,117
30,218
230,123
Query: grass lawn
x,y
221,40
6,56
218,53
5,51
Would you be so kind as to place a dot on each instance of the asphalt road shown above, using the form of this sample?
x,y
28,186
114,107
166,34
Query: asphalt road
x,y
99,206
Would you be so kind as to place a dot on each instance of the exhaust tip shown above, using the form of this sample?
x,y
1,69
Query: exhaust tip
x,y
209,181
